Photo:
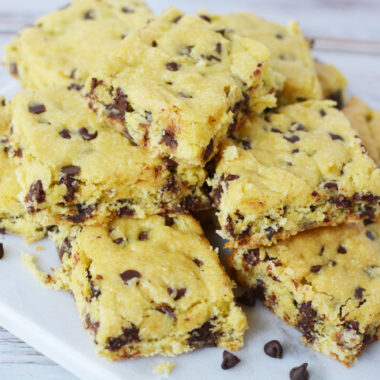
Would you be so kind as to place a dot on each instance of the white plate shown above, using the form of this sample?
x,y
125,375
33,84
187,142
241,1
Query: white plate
x,y
48,320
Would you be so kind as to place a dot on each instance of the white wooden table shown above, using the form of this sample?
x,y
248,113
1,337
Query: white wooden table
x,y
346,34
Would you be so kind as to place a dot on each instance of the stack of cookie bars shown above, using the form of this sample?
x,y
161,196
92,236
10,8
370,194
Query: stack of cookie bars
x,y
132,123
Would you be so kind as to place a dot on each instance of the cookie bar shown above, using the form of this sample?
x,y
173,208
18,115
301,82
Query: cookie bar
x,y
72,167
290,52
325,282
332,81
13,218
298,168
63,47
178,87
149,286
367,123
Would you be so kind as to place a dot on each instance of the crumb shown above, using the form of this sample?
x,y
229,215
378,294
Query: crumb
x,y
39,248
164,368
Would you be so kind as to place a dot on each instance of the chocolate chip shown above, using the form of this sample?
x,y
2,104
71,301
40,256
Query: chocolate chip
x,y
275,130
367,222
13,69
292,138
270,232
65,133
36,108
72,185
95,293
209,150
176,294
127,10
129,275
154,43
359,293
300,127
212,57
273,349
169,221
198,263
229,360
279,36
248,298
17,153
246,144
118,240
166,309
316,268
331,186
83,213
334,136
65,248
186,50
91,325
176,19
352,325
206,18
341,249
126,209
370,235
306,322
89,15
322,113
1,251
299,373
75,86
202,336
252,256
338,97
143,236
129,336
86,135
219,48
172,66
70,170
169,140
36,192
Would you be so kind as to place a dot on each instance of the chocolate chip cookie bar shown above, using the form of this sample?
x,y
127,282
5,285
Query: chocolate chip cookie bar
x,y
333,83
290,52
325,282
73,167
294,169
13,217
367,124
178,87
150,286
64,47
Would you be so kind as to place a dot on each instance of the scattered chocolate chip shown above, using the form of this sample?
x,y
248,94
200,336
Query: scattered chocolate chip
x,y
292,139
169,140
341,249
252,256
36,108
166,309
367,222
202,336
75,87
65,133
1,251
219,48
176,19
322,113
338,97
209,150
176,293
36,192
129,275
246,144
352,325
118,240
270,232
169,221
143,236
273,349
91,325
198,263
83,213
86,135
70,170
279,36
299,373
248,298
72,186
229,360
206,18
95,292
17,153
172,66
126,209
316,268
294,151
359,293
331,186
370,235
334,136
186,50
89,15
129,336
154,43
13,69
64,248
212,57
127,10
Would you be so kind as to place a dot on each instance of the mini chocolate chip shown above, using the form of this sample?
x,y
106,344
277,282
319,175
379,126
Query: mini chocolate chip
x,y
212,57
338,97
64,248
143,236
127,10
359,293
129,336
36,192
246,144
229,360
273,349
316,268
169,140
367,222
322,113
75,86
352,325
202,336
279,36
166,309
231,177
95,293
198,263
330,186
129,274
172,66
178,293
86,135
294,151
270,232
275,130
70,170
299,373
65,133
176,19
118,240
341,249
206,18
219,48
13,69
36,108
370,235
1,251
292,138
186,50
334,136
154,43
248,298
83,213
89,15
169,221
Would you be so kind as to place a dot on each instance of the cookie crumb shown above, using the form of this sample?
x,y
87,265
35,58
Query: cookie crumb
x,y
164,368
